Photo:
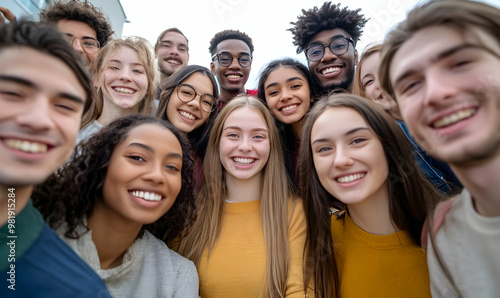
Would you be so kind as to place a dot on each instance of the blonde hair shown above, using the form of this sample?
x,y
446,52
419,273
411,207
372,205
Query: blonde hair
x,y
273,207
357,87
143,49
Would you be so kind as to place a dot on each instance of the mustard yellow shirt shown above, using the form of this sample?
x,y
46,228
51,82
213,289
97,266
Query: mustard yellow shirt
x,y
378,266
237,264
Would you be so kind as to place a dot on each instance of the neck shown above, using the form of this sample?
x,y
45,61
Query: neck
x,y
163,79
112,235
13,199
243,190
482,180
226,96
372,215
297,128
111,112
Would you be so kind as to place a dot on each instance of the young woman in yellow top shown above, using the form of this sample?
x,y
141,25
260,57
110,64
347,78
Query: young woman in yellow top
x,y
248,239
355,157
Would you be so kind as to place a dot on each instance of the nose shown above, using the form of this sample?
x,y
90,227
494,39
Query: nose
x,y
37,115
155,173
328,55
342,158
77,45
195,103
125,74
438,88
234,64
244,145
286,94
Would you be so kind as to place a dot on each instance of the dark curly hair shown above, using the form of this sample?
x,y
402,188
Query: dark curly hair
x,y
230,34
70,195
329,16
79,11
47,40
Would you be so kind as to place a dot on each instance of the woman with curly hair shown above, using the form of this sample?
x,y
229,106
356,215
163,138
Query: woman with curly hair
x,y
248,239
125,76
128,188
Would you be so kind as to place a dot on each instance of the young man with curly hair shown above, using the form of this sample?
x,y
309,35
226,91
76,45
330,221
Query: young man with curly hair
x,y
44,90
231,52
328,37
84,24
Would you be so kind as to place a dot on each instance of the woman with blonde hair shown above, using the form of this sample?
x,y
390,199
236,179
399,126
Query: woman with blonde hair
x,y
249,235
125,78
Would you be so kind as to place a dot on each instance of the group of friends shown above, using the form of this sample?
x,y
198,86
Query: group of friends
x,y
369,176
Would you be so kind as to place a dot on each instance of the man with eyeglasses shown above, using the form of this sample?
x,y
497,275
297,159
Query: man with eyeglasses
x,y
86,28
231,52
328,37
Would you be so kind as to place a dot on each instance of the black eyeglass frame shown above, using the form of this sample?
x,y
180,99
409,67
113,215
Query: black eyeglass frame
x,y
214,104
329,45
232,58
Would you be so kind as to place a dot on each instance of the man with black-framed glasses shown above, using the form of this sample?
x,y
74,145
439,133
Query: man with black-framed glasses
x,y
85,26
328,37
231,52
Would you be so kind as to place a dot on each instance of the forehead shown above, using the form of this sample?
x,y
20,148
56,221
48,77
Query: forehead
x,y
200,82
337,121
325,35
175,37
233,46
158,137
76,28
283,73
245,118
124,54
369,64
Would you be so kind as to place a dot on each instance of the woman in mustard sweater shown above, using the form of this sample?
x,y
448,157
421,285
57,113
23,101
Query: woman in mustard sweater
x,y
248,239
354,157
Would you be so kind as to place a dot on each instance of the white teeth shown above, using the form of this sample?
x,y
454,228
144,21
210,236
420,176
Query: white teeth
x,y
233,76
123,90
330,69
350,178
450,119
148,196
26,146
243,161
289,108
172,61
187,115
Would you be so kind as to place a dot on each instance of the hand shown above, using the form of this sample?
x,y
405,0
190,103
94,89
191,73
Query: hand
x,y
6,14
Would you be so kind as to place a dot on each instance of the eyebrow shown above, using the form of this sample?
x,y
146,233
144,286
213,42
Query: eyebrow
x,y
443,54
289,80
349,132
85,36
148,148
120,62
171,42
32,85
239,128
331,38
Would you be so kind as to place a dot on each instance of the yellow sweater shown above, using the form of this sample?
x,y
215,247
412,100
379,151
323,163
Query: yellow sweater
x,y
237,265
378,266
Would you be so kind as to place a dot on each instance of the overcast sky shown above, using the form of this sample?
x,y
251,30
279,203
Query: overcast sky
x,y
265,21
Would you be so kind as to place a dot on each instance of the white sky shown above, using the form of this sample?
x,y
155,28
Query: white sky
x,y
265,21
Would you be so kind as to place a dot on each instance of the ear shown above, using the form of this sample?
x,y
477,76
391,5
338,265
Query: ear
x,y
355,57
212,67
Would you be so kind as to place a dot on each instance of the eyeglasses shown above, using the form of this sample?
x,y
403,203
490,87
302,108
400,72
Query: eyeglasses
x,y
88,44
187,93
225,59
338,47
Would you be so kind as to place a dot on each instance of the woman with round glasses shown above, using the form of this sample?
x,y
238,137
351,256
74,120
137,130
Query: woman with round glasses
x,y
125,77
188,101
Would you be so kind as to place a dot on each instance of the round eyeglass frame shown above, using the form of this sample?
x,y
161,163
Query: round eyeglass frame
x,y
232,58
89,50
330,46
181,96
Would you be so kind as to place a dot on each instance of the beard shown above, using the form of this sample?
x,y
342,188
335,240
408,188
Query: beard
x,y
337,87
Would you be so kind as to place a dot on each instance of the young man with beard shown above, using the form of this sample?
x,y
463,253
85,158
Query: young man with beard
x,y
85,26
231,52
172,51
328,37
442,65
44,89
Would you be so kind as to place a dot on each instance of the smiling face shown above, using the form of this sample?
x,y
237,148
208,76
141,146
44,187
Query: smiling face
x,y
333,71
244,145
172,53
124,81
369,80
187,116
232,78
449,93
348,157
143,177
287,94
41,105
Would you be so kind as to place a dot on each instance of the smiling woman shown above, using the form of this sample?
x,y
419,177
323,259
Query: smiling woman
x,y
130,188
125,77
